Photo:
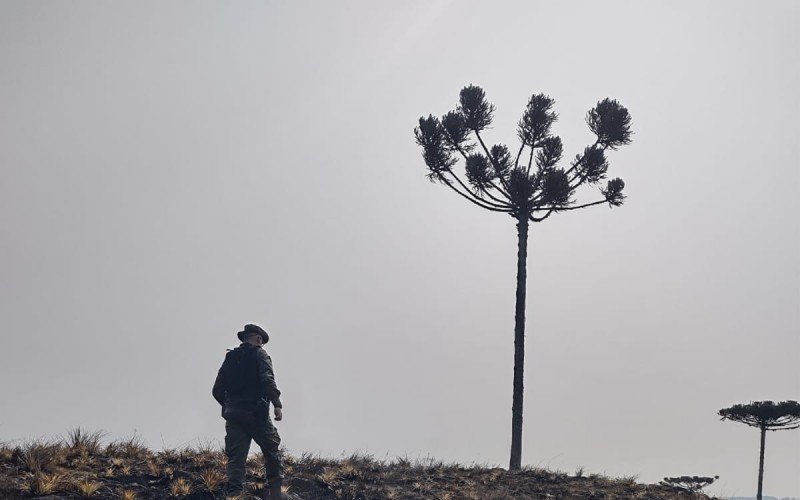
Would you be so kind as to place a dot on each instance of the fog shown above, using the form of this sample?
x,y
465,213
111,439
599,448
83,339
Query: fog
x,y
172,171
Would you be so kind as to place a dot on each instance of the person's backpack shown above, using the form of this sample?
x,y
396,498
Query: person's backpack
x,y
240,370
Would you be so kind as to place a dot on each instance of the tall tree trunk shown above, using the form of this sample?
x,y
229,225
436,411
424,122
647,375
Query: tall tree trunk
x,y
519,345
761,462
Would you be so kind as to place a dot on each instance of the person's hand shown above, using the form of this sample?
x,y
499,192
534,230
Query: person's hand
x,y
278,413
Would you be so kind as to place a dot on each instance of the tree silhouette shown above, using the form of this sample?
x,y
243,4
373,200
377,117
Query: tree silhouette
x,y
691,484
767,416
528,185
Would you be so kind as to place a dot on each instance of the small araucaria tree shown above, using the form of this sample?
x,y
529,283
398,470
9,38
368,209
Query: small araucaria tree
x,y
528,185
767,416
691,484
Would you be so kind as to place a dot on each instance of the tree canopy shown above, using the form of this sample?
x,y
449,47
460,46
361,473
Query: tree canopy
x,y
689,483
765,414
527,184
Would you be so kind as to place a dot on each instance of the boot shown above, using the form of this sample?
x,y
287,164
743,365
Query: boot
x,y
274,491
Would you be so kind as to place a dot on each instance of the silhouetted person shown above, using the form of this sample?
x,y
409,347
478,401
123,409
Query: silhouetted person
x,y
245,386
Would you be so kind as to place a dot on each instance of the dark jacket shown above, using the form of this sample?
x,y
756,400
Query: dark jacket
x,y
263,388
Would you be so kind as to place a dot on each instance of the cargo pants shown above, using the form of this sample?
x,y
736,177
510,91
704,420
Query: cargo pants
x,y
239,431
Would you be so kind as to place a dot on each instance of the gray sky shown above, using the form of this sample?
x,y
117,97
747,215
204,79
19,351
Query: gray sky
x,y
171,171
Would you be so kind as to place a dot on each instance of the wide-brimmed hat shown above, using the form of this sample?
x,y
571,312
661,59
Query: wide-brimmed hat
x,y
250,330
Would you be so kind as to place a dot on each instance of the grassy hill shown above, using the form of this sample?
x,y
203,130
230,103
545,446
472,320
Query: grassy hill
x,y
81,466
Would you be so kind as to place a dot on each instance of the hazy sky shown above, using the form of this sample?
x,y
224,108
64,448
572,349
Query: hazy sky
x,y
171,171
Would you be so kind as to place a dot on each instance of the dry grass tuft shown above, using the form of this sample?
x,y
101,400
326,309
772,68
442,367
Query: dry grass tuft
x,y
38,457
315,462
206,459
127,494
350,471
86,487
255,460
43,483
180,487
358,459
132,448
169,456
211,479
153,468
169,472
80,440
206,454
329,476
402,462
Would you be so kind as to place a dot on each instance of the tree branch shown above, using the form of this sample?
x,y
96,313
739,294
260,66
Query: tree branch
x,y
500,203
498,200
540,219
463,153
498,188
489,155
577,174
579,183
580,160
472,199
519,153
562,209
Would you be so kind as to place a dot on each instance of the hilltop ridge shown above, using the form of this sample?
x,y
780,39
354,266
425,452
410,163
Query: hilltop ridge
x,y
80,466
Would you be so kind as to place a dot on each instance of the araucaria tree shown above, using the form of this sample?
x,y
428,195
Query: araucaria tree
x,y
691,484
527,184
767,416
